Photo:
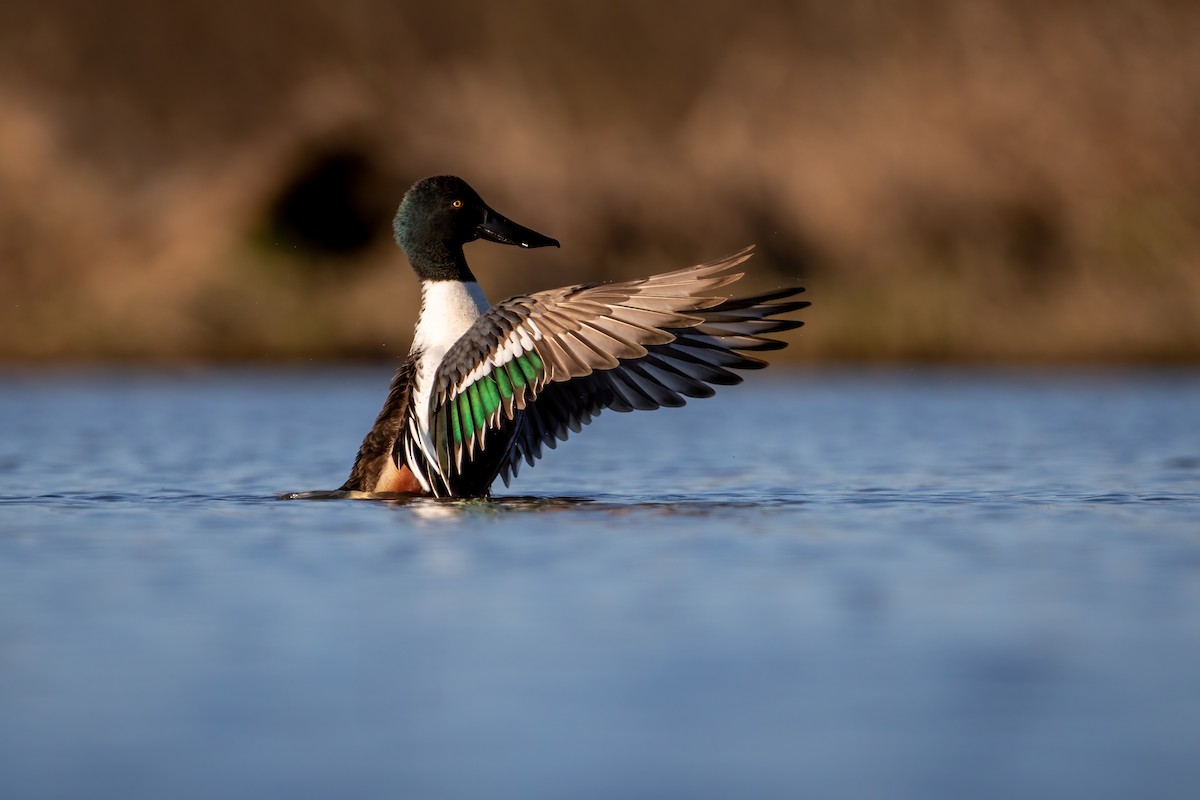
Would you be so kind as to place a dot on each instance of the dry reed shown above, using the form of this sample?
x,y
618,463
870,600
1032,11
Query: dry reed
x,y
952,180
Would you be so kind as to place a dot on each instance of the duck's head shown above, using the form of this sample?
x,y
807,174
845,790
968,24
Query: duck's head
x,y
439,215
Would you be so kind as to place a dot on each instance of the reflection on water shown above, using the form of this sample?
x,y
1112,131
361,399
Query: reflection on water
x,y
902,584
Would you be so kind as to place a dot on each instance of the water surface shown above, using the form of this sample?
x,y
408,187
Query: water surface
x,y
903,583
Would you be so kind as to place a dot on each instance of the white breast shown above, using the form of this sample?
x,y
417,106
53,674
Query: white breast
x,y
448,308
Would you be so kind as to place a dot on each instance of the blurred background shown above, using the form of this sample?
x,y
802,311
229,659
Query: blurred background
x,y
960,180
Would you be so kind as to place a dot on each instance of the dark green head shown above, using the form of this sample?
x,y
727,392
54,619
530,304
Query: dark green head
x,y
439,215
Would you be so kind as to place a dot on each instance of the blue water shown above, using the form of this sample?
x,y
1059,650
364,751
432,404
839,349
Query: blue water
x,y
903,583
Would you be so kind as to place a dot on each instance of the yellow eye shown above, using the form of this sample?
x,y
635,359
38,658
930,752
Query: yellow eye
x,y
457,204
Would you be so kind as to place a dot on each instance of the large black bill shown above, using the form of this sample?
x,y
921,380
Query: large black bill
x,y
498,228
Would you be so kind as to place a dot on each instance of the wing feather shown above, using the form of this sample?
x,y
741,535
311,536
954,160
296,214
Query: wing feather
x,y
537,367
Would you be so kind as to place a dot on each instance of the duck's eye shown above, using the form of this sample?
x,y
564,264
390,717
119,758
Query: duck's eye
x,y
457,203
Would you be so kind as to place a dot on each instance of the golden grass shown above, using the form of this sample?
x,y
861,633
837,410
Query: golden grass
x,y
952,180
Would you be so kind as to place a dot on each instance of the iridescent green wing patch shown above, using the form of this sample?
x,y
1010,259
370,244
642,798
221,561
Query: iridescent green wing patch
x,y
483,401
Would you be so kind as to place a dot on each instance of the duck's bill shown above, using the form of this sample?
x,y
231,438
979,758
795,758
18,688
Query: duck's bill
x,y
498,228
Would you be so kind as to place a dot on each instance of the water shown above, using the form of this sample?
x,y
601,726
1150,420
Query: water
x,y
904,583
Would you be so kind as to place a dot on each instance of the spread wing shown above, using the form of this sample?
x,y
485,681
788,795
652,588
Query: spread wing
x,y
536,367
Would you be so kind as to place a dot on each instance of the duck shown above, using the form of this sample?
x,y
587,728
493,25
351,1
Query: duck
x,y
485,388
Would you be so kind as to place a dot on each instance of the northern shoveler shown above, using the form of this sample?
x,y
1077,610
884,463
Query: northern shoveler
x,y
485,386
